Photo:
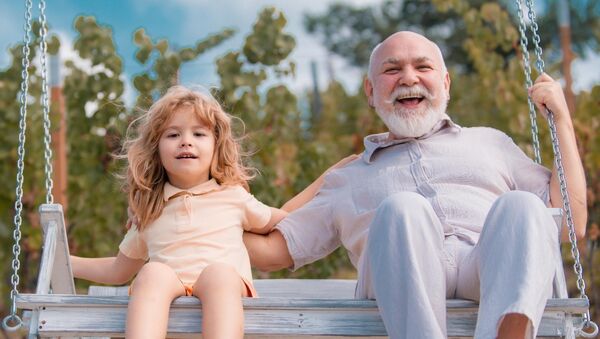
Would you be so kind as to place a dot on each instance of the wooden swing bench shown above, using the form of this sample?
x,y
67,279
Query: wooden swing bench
x,y
290,308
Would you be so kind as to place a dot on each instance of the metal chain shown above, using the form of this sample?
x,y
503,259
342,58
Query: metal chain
x,y
19,189
577,267
528,83
46,104
539,63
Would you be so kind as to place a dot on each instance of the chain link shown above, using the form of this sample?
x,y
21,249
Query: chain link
x,y
23,96
46,104
557,155
539,63
528,84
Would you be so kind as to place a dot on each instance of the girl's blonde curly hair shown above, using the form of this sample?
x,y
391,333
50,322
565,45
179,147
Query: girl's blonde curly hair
x,y
145,176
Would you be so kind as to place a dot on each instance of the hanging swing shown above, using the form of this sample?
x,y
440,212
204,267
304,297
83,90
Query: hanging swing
x,y
287,307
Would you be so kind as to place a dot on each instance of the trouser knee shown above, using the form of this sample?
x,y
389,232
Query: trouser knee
x,y
520,219
396,208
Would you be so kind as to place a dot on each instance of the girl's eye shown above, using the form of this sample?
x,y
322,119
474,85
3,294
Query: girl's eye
x,y
172,135
199,134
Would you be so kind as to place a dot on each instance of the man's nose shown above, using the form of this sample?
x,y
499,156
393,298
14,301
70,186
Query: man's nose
x,y
408,77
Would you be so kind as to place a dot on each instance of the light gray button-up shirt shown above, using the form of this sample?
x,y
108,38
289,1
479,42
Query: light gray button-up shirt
x,y
460,171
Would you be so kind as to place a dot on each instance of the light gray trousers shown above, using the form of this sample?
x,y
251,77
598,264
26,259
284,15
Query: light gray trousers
x,y
411,267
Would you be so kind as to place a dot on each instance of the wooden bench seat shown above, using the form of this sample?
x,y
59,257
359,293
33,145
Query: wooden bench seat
x,y
286,307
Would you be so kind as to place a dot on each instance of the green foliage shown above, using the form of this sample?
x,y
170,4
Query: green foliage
x,y
95,116
165,62
351,32
268,44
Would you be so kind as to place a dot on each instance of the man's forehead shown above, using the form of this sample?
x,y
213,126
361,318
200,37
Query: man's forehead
x,y
407,45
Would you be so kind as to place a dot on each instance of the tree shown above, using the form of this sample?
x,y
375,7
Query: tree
x,y
352,32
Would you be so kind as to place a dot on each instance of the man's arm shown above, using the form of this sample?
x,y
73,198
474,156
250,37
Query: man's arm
x,y
268,252
311,190
548,93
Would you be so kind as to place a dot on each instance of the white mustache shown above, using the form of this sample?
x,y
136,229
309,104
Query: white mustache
x,y
413,91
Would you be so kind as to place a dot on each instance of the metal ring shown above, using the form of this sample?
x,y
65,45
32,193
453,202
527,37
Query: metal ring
x,y
589,324
19,323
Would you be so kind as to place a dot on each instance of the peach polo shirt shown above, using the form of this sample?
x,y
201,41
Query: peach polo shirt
x,y
198,227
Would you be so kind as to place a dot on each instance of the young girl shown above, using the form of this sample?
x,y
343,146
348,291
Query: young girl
x,y
187,187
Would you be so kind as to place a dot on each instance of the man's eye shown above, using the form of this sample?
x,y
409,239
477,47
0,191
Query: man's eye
x,y
391,70
424,67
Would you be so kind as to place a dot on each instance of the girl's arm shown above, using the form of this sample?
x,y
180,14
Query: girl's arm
x,y
111,270
311,190
268,252
276,216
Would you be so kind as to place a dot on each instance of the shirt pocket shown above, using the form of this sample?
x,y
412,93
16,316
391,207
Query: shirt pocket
x,y
368,195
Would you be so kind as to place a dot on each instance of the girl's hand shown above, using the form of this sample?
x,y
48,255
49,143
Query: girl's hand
x,y
548,93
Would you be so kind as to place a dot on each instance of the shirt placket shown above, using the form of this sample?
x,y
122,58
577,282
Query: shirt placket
x,y
423,183
185,211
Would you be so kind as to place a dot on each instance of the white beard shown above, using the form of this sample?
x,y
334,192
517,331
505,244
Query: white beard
x,y
409,122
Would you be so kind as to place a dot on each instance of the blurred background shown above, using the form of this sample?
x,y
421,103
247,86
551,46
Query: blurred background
x,y
292,72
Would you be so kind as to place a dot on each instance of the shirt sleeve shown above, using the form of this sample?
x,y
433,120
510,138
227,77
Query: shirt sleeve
x,y
133,246
256,214
526,175
310,231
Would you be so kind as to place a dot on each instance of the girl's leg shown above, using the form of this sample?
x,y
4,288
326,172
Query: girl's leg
x,y
155,287
220,289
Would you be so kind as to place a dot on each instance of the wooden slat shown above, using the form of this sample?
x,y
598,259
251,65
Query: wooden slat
x,y
33,301
62,275
79,315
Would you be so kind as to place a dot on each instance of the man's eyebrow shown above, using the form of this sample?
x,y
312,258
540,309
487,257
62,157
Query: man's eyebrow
x,y
423,60
391,60
395,61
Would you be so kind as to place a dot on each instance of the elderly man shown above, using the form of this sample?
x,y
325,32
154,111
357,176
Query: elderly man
x,y
440,211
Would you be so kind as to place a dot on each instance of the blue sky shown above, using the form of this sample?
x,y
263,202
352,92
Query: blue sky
x,y
183,22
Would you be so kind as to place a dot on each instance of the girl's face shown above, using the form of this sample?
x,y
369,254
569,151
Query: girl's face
x,y
186,148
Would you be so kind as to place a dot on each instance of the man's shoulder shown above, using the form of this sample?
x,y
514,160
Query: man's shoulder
x,y
340,177
482,132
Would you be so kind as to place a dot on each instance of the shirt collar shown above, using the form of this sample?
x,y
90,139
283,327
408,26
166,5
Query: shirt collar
x,y
374,142
171,191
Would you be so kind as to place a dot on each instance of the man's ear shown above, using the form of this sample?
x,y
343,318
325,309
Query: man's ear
x,y
368,88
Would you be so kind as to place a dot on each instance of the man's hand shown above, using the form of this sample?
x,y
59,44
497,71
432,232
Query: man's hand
x,y
548,93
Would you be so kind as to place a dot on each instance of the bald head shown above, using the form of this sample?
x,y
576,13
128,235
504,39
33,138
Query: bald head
x,y
403,39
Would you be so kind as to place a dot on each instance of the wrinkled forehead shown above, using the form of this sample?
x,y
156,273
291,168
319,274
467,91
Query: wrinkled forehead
x,y
408,47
